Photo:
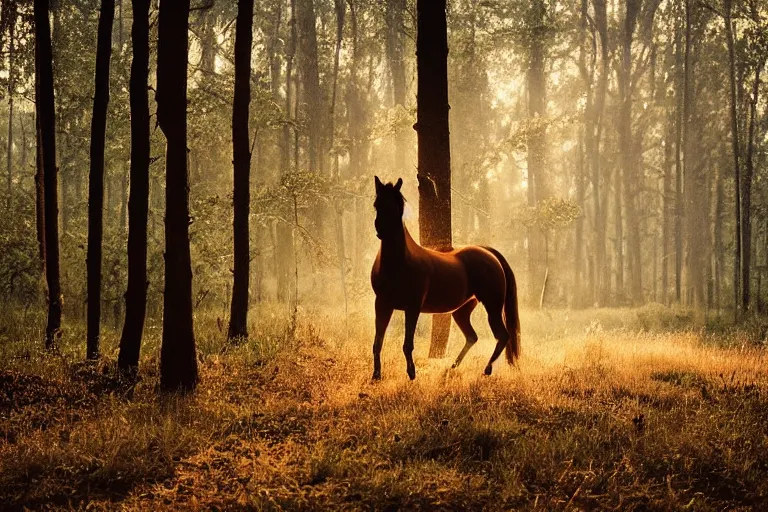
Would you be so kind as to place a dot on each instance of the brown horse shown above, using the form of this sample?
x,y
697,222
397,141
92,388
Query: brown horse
x,y
413,279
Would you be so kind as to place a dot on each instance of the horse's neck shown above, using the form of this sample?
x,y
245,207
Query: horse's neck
x,y
394,251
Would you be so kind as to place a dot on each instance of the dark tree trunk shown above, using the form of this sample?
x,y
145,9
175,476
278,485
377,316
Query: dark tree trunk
x,y
238,321
434,160
746,195
737,260
96,175
138,203
178,361
47,125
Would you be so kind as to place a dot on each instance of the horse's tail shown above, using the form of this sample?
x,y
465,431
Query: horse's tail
x,y
511,314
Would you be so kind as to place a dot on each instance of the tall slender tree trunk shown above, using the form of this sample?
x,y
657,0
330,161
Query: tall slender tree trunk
x,y
536,80
138,203
666,207
679,206
11,93
96,175
602,268
340,8
178,361
238,321
434,159
746,196
47,125
284,236
305,17
737,252
396,56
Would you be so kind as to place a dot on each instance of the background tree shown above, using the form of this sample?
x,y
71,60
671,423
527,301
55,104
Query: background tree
x,y
96,175
178,359
47,150
434,170
136,293
238,321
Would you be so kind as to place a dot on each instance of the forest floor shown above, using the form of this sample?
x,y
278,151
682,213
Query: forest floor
x,y
610,409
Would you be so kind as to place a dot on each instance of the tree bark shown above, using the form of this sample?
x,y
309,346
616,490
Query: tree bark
x,y
284,236
395,44
238,320
138,203
96,175
178,361
629,160
746,196
47,118
679,206
737,253
434,155
536,159
602,268
305,17
11,92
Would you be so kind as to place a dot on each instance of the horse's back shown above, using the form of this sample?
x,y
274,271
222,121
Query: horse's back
x,y
484,272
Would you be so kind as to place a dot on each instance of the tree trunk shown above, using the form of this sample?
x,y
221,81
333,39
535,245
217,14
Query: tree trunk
x,y
339,210
178,361
11,92
679,207
305,12
284,236
629,160
96,175
434,159
396,56
737,260
39,184
47,118
238,320
536,79
746,195
602,268
138,203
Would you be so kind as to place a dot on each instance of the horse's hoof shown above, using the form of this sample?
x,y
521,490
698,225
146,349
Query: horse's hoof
x,y
454,366
376,376
412,373
488,370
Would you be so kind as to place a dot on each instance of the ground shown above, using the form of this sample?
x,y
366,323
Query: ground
x,y
619,409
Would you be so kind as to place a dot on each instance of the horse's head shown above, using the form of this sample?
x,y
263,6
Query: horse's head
x,y
389,205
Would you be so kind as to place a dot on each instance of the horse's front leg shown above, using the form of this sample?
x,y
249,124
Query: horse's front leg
x,y
411,318
383,315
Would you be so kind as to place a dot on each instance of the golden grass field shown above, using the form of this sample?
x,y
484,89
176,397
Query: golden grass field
x,y
608,409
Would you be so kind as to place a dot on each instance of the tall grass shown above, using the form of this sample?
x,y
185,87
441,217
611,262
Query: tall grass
x,y
636,408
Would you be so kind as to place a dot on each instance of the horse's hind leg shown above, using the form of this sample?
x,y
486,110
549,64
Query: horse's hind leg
x,y
499,332
462,316
411,318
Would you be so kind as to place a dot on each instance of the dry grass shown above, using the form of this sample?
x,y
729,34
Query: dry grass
x,y
622,409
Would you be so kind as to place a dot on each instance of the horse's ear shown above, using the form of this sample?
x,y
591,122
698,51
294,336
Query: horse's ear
x,y
398,184
379,186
